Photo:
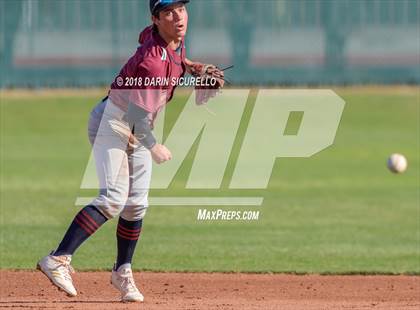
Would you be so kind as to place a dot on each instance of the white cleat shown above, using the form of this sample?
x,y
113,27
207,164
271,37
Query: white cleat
x,y
122,279
58,270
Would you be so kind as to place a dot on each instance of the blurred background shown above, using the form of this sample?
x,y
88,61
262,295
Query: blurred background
x,y
59,43
340,211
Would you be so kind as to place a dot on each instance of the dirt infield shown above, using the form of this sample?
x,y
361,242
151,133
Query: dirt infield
x,y
32,290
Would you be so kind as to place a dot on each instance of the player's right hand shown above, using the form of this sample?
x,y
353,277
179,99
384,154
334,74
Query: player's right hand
x,y
160,153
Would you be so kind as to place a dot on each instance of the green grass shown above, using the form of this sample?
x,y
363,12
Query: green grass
x,y
339,211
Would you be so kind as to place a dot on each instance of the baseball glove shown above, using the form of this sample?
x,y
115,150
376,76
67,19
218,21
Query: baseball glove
x,y
212,77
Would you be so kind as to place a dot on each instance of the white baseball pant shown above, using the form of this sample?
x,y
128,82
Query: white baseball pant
x,y
124,175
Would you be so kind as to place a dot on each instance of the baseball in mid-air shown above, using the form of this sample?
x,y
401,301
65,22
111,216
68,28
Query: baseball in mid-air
x,y
397,163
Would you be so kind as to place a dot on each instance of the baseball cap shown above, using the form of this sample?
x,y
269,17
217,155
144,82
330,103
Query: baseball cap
x,y
158,5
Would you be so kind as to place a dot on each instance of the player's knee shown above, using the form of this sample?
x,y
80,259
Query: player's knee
x,y
110,210
134,212
111,202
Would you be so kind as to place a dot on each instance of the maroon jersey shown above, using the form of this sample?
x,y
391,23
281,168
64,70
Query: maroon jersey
x,y
146,78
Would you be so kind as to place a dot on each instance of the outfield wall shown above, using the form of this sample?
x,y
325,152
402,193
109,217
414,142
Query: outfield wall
x,y
84,43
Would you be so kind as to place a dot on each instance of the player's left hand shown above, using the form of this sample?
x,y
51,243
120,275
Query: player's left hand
x,y
211,75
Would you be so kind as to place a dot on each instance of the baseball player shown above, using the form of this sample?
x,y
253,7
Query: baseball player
x,y
121,133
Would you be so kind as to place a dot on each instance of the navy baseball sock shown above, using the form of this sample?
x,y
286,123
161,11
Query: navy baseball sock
x,y
85,223
128,233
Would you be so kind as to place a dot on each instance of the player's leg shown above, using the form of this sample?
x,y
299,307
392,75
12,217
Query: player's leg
x,y
131,217
130,223
56,266
84,224
112,170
